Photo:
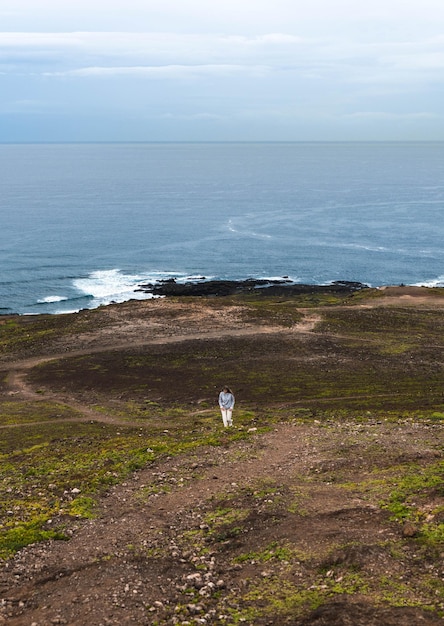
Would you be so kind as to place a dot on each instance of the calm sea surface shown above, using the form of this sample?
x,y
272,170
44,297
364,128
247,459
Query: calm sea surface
x,y
84,225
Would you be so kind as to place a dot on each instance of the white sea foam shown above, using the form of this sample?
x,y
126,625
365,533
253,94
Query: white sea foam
x,y
51,299
231,227
114,286
156,275
179,277
196,277
436,282
62,312
247,233
106,286
358,246
275,278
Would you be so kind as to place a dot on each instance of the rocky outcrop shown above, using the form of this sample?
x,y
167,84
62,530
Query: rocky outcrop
x,y
283,287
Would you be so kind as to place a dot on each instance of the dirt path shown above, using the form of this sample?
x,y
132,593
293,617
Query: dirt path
x,y
159,554
16,379
105,574
18,387
128,345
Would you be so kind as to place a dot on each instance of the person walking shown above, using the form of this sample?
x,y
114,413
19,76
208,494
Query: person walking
x,y
226,403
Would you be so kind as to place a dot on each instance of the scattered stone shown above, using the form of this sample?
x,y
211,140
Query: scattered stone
x,y
409,530
195,580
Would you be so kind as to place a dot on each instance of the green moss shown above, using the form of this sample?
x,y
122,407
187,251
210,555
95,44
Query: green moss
x,y
410,492
83,507
371,366
273,552
296,506
28,333
224,516
409,497
334,373
19,412
22,535
41,464
280,598
395,347
396,592
437,416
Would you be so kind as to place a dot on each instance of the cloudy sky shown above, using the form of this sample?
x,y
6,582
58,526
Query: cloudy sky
x,y
196,70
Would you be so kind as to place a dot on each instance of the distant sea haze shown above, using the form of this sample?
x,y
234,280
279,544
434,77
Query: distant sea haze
x,y
85,224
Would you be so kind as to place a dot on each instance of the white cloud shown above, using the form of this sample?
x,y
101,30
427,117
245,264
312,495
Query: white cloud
x,y
419,61
101,49
39,40
384,115
291,58
283,58
271,38
81,49
167,54
141,42
164,71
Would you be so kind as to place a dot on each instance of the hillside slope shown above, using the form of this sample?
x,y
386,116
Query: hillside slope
x,y
124,501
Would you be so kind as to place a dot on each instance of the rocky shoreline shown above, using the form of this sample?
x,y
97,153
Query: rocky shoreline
x,y
283,287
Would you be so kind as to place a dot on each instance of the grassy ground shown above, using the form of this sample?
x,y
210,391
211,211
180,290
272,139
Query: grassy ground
x,y
362,392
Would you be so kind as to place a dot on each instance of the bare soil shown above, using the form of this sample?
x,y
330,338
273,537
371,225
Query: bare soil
x,y
283,527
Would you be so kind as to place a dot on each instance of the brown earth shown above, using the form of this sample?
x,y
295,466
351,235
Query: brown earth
x,y
286,515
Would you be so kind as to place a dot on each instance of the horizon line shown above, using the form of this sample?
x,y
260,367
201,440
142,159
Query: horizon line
x,y
228,141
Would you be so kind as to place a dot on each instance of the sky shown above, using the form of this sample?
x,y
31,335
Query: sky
x,y
221,70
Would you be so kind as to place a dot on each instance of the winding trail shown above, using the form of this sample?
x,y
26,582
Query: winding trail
x,y
131,564
17,385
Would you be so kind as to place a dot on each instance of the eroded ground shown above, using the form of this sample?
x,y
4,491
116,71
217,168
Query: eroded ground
x,y
124,501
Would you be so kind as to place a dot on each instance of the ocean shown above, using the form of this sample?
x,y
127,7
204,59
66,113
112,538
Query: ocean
x,y
83,225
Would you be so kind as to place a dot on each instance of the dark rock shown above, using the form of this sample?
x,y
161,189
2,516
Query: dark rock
x,y
409,530
264,287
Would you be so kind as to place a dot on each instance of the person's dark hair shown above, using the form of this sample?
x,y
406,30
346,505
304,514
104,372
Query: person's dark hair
x,y
225,388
